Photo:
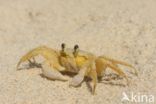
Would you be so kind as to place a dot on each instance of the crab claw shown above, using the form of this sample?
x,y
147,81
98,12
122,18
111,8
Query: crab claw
x,y
77,80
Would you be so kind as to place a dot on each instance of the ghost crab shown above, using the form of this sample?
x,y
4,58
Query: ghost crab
x,y
76,61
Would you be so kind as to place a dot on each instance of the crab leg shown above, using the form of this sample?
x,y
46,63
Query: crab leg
x,y
30,55
100,67
119,71
119,62
51,73
48,53
93,76
102,63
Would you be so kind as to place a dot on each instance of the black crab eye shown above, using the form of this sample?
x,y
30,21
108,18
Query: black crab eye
x,y
75,52
76,47
63,46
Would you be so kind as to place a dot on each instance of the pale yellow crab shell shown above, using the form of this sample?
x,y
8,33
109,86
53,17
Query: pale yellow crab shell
x,y
83,57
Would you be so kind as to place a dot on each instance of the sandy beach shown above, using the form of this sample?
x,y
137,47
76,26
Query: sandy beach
x,y
121,29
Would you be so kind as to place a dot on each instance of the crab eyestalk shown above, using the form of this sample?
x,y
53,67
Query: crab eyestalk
x,y
63,49
63,46
76,50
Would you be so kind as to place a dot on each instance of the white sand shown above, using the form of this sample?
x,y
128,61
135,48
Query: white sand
x,y
122,29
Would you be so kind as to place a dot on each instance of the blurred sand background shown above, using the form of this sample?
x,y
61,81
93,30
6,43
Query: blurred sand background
x,y
121,29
